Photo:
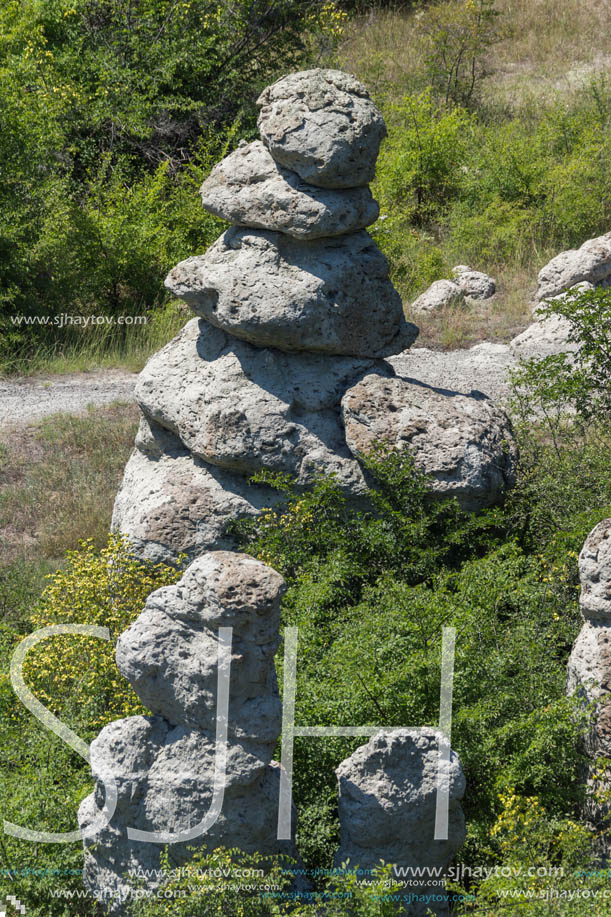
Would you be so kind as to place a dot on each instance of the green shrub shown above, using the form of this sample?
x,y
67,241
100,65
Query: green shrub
x,y
78,675
579,382
370,594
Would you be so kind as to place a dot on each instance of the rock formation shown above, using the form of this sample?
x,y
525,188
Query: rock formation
x,y
164,765
387,810
467,287
591,263
589,673
464,442
282,370
295,304
440,295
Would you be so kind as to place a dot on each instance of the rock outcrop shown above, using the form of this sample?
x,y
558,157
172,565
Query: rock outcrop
x,y
589,674
295,305
591,263
387,809
164,765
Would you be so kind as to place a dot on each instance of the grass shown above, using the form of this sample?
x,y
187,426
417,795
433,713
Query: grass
x,y
542,47
94,347
58,481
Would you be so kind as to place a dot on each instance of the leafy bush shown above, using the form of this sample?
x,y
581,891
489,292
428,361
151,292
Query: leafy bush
x,y
370,593
42,781
75,675
460,36
581,381
226,882
111,114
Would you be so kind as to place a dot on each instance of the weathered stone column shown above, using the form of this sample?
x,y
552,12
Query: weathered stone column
x,y
589,674
387,809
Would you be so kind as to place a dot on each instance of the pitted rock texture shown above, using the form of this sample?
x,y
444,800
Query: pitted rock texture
x,y
440,295
174,504
164,778
591,262
248,188
323,125
244,409
465,442
169,654
387,806
595,572
474,284
543,338
332,296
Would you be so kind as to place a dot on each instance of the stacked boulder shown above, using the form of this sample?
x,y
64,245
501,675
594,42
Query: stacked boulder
x,y
283,370
164,765
295,304
296,308
589,675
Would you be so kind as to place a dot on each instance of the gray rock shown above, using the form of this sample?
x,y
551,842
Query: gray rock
x,y
543,338
595,572
591,262
332,296
440,295
387,806
474,284
589,679
169,653
538,307
465,442
245,409
248,188
164,777
176,504
323,125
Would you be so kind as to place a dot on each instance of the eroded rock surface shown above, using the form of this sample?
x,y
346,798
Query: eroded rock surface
x,y
465,442
165,766
175,504
589,676
474,284
440,295
169,654
323,125
591,262
248,188
387,807
244,409
331,296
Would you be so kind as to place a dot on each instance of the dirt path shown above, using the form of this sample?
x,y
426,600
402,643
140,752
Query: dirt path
x,y
23,400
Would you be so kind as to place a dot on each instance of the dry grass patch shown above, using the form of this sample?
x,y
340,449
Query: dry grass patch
x,y
544,47
58,481
498,319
